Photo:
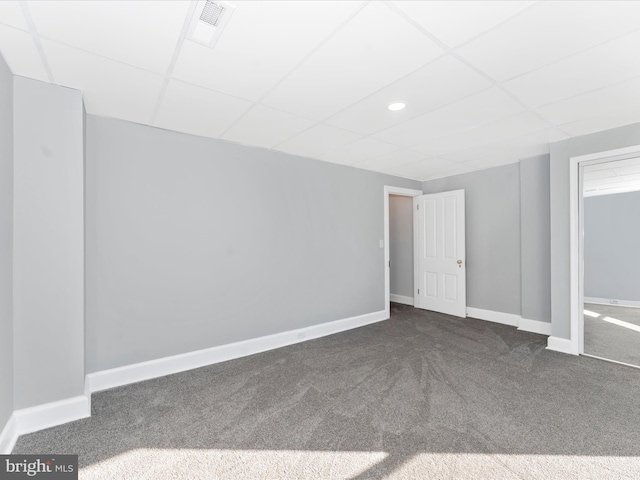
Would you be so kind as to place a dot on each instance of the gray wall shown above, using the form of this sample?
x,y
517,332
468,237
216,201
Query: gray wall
x,y
535,262
6,243
492,201
612,246
48,245
401,245
561,152
194,242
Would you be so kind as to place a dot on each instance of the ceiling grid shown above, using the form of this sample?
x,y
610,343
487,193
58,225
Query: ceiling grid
x,y
485,83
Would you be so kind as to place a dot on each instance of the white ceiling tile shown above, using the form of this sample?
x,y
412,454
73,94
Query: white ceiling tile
x,y
317,140
612,177
419,168
603,122
108,87
441,82
358,151
548,32
433,174
631,187
11,14
373,49
138,33
609,166
20,52
598,182
597,102
509,151
597,174
632,177
265,127
391,160
455,22
503,129
262,42
470,112
576,74
497,161
196,110
627,172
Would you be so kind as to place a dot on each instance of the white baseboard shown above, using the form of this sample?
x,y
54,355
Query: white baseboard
x,y
611,361
511,319
491,316
138,372
9,436
613,302
535,326
401,299
558,344
51,414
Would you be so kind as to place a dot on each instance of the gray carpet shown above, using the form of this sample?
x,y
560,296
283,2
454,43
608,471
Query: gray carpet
x,y
422,395
607,340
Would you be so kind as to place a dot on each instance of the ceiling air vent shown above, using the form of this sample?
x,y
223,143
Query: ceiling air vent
x,y
208,21
212,13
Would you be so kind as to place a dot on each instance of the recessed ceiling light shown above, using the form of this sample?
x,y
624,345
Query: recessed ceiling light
x,y
394,107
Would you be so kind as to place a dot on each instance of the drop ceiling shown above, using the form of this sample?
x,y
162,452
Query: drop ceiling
x,y
485,83
621,176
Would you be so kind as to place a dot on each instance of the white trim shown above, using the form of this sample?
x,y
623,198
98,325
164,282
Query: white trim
x,y
138,372
575,202
611,361
607,154
51,414
401,299
558,344
576,256
390,190
492,316
9,435
535,326
511,319
608,301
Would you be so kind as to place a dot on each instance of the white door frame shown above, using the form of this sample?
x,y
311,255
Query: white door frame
x,y
576,236
406,192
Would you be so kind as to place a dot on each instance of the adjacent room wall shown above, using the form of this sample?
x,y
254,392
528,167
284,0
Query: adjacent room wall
x,y
611,241
535,247
6,243
194,243
401,245
561,152
492,201
48,243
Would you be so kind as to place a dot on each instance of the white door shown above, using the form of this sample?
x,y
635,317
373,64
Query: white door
x,y
440,270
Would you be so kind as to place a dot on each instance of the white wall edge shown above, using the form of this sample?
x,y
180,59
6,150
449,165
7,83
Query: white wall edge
x,y
563,345
138,372
492,316
401,299
607,301
535,326
9,436
47,415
